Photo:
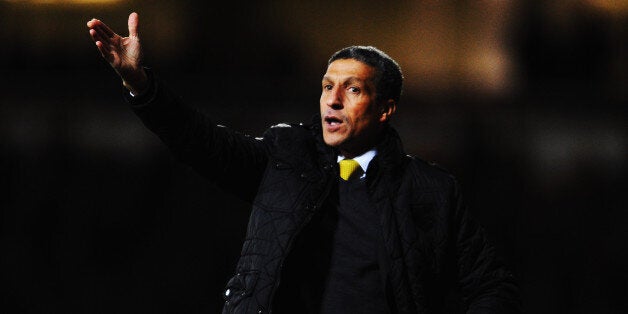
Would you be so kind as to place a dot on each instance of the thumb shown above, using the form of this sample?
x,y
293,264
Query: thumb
x,y
133,22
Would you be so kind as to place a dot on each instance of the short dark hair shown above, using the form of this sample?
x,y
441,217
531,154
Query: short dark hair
x,y
388,76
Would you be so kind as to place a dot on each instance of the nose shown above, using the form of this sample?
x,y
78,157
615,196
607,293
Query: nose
x,y
333,98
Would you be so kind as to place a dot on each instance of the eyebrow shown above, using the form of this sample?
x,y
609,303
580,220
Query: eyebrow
x,y
349,80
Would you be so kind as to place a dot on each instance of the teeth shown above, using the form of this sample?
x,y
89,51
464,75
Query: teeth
x,y
333,121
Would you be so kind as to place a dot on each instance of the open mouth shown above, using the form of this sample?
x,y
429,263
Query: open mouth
x,y
333,121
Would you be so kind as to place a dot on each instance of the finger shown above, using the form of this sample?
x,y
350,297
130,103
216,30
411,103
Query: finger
x,y
104,35
96,36
93,22
133,24
104,52
101,49
104,48
94,25
101,27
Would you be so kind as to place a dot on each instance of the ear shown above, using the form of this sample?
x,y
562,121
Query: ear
x,y
387,110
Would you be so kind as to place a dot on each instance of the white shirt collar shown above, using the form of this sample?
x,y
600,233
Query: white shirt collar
x,y
364,160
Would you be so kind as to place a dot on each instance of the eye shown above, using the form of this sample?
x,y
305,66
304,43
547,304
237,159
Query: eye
x,y
327,87
354,89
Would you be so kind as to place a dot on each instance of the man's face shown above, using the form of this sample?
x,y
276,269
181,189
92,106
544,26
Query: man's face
x,y
351,118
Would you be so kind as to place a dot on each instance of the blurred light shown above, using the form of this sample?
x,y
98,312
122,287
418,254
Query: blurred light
x,y
613,6
561,146
440,45
63,1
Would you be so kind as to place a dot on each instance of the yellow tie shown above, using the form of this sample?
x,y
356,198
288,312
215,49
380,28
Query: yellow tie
x,y
347,167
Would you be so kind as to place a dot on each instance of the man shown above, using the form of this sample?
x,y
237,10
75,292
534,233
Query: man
x,y
390,235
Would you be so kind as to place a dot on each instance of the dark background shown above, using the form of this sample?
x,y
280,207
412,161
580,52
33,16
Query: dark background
x,y
524,101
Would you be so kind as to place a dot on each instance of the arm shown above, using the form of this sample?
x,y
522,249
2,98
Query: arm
x,y
232,160
487,286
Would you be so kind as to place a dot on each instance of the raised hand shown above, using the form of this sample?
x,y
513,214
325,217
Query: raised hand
x,y
124,54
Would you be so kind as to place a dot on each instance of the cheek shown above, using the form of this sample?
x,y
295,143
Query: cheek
x,y
364,122
357,119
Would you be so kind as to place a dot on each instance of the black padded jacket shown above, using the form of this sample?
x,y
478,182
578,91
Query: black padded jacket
x,y
438,259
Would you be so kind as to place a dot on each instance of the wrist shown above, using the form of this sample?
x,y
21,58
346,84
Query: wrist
x,y
138,83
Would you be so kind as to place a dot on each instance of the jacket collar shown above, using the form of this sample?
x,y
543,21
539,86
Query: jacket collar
x,y
389,156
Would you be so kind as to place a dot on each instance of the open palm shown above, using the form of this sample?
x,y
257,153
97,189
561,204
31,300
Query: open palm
x,y
123,53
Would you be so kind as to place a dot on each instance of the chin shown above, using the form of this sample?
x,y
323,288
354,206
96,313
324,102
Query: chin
x,y
332,141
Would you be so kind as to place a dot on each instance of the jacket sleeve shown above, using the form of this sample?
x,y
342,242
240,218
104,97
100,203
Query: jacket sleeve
x,y
234,161
487,286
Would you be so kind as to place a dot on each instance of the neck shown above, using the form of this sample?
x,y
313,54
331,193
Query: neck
x,y
353,154
352,151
